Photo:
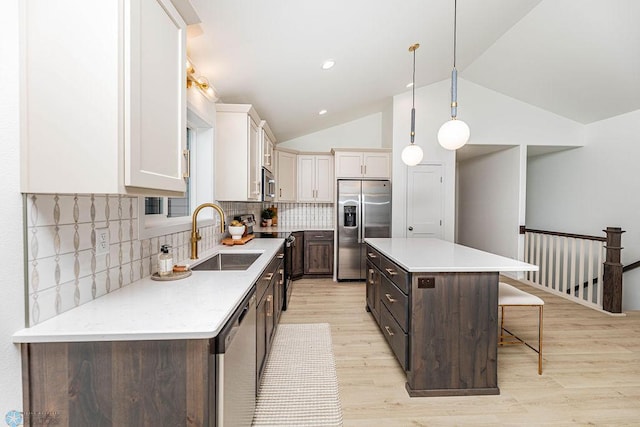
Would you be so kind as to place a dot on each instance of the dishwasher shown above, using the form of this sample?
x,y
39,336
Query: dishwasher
x,y
236,366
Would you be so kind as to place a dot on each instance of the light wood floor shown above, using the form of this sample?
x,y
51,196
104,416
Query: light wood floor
x,y
591,367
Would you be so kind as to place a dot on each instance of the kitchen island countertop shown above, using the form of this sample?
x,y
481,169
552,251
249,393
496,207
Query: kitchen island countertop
x,y
192,308
422,255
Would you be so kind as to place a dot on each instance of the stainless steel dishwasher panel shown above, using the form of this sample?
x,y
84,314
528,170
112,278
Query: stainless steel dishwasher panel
x,y
237,370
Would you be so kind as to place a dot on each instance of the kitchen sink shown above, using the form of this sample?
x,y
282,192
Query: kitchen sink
x,y
228,261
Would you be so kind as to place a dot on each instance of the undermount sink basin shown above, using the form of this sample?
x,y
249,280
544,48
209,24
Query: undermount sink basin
x,y
226,262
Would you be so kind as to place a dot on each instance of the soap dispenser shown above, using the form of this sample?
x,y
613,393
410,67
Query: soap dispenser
x,y
165,261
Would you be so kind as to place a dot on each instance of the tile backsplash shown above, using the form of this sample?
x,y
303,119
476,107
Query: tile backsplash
x,y
64,270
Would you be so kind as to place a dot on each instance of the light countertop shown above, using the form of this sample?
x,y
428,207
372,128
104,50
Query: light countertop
x,y
435,255
196,307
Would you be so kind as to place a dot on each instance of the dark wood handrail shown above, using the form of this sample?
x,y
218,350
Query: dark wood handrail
x,y
631,266
523,230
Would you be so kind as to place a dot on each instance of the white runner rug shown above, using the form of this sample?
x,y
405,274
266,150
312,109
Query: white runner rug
x,y
299,384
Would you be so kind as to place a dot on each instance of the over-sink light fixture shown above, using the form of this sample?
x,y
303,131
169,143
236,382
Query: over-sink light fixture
x,y
201,82
454,133
412,154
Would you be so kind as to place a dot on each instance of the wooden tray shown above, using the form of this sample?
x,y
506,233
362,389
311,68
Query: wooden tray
x,y
241,241
172,276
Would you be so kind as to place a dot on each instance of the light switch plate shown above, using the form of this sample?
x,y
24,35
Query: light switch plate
x,y
102,241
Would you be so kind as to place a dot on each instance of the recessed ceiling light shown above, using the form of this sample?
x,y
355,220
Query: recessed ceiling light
x,y
322,112
409,84
328,64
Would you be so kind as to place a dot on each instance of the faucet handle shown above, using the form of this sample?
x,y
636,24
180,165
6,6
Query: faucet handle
x,y
198,236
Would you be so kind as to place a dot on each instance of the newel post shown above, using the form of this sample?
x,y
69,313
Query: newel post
x,y
612,280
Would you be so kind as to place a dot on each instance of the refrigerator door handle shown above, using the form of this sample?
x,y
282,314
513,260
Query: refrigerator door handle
x,y
362,217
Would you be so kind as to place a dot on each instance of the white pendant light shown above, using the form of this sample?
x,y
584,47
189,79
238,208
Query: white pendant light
x,y
412,154
454,133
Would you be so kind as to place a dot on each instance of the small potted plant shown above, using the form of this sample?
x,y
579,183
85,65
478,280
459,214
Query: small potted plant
x,y
267,217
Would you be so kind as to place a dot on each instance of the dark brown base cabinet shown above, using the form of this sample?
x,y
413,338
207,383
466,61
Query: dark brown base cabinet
x,y
297,256
120,383
270,290
318,253
442,327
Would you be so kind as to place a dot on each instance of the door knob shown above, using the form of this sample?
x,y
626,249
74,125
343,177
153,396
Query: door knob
x,y
410,228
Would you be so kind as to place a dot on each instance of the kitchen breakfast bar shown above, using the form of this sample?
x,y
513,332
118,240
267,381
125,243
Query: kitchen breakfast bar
x,y
436,303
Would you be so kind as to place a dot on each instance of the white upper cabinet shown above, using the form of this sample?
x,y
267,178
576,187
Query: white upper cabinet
x,y
315,178
267,142
286,173
238,153
363,164
104,97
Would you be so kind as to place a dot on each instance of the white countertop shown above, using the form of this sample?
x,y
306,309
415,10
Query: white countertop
x,y
434,255
192,308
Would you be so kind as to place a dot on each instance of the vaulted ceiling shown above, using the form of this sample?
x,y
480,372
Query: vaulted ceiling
x,y
577,58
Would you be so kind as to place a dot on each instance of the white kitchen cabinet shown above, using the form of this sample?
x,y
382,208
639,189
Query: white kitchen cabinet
x,y
104,97
363,164
267,142
315,178
237,153
286,169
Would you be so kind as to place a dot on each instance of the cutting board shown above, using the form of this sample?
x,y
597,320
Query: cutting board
x,y
241,241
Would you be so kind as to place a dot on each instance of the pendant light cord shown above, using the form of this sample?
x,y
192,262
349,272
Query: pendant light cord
x,y
455,32
413,81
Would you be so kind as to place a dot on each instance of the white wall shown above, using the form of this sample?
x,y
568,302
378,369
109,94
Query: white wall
x,y
11,249
489,201
365,132
494,119
587,189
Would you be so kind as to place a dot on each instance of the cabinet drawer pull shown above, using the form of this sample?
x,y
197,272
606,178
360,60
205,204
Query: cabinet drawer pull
x,y
269,307
388,329
372,255
268,276
280,256
391,300
281,272
371,276
391,271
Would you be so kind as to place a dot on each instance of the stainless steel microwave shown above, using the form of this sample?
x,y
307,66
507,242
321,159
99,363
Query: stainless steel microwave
x,y
268,186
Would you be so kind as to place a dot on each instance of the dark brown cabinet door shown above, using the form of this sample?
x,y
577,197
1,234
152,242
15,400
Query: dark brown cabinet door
x,y
297,256
318,253
373,290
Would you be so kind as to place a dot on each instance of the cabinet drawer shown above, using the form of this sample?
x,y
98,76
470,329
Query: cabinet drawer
x,y
396,302
269,273
318,235
395,336
373,256
397,275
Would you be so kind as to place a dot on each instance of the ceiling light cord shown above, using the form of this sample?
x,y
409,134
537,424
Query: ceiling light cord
x,y
413,98
454,71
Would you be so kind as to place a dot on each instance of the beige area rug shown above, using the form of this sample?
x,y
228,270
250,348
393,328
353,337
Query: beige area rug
x,y
299,384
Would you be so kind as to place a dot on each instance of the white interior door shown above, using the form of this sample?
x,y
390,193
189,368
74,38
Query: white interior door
x,y
425,201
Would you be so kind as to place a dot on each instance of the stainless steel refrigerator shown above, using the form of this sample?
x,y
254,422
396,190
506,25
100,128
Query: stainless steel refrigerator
x,y
364,210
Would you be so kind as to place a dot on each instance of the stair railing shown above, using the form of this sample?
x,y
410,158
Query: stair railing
x,y
585,269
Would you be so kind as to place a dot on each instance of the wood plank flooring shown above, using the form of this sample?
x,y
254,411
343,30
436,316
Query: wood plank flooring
x,y
591,366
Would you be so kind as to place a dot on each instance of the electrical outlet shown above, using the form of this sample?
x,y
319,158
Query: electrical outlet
x,y
102,241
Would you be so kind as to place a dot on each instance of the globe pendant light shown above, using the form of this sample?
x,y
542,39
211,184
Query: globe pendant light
x,y
412,154
454,133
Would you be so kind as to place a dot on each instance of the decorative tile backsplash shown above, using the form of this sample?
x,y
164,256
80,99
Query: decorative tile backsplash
x,y
64,270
